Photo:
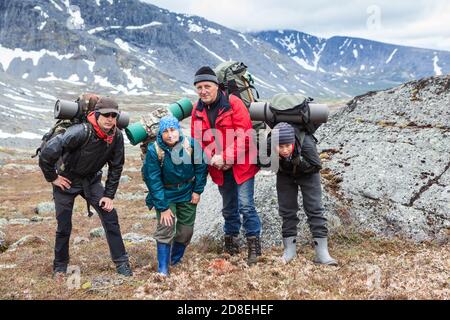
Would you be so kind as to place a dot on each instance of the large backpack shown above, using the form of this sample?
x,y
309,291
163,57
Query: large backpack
x,y
285,104
86,104
235,79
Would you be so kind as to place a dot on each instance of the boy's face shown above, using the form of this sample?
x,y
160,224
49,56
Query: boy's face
x,y
170,136
285,150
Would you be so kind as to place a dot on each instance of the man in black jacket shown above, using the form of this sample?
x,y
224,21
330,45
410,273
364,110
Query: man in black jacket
x,y
72,162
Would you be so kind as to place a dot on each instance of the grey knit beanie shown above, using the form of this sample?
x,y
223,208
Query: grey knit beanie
x,y
285,133
205,74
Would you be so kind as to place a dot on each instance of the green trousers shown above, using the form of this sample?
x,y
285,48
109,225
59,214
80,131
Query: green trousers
x,y
182,230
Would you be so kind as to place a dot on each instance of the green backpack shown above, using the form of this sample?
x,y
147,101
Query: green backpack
x,y
235,79
284,105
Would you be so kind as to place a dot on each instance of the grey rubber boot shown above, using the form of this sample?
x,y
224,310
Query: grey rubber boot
x,y
322,255
290,249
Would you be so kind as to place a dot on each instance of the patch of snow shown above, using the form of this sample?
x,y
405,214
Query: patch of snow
x,y
95,30
46,96
42,25
194,27
282,88
82,48
363,67
90,65
56,5
437,69
391,56
303,64
214,31
262,83
16,98
234,43
75,21
188,91
134,81
282,67
308,84
151,24
7,55
25,75
244,37
209,51
122,45
355,53
273,75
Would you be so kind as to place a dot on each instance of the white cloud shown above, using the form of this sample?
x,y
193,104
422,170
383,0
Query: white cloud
x,y
422,23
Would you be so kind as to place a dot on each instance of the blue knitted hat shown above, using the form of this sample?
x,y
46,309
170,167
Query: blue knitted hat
x,y
168,122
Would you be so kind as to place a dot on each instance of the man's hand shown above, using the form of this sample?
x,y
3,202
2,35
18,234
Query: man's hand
x,y
195,198
106,204
226,167
167,218
217,161
62,182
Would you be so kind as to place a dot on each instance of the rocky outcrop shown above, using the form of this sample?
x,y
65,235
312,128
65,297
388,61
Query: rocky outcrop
x,y
386,159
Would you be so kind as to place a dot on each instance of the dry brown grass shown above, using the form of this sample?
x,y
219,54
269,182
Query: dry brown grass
x,y
370,267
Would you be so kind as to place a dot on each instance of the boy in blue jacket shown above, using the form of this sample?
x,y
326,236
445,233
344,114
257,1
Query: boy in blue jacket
x,y
175,173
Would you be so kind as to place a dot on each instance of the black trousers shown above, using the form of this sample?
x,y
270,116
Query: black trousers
x,y
64,201
287,190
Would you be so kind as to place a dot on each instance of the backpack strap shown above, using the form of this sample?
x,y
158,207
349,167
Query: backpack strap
x,y
160,153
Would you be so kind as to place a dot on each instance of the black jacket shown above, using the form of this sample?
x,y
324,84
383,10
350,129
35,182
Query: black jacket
x,y
82,159
308,161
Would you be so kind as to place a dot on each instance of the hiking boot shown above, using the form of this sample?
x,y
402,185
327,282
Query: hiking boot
x,y
252,244
59,270
322,255
124,269
231,245
258,246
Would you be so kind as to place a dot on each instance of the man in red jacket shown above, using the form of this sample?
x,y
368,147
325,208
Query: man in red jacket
x,y
220,124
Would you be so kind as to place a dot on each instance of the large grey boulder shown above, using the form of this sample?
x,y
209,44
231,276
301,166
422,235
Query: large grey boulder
x,y
386,159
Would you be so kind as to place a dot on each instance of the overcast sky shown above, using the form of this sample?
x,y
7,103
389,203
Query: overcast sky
x,y
421,23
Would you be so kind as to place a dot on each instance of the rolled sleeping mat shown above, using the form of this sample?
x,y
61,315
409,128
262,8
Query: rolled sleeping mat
x,y
136,133
260,111
66,109
181,109
123,120
319,112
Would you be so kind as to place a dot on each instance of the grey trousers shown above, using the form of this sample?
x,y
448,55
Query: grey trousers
x,y
287,190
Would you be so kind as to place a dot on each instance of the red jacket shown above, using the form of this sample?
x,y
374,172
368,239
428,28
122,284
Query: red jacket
x,y
237,149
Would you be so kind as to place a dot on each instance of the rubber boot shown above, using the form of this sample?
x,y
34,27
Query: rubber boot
x,y
322,255
163,252
290,248
177,253
252,250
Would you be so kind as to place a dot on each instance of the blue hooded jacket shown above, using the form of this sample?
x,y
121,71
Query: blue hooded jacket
x,y
156,176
